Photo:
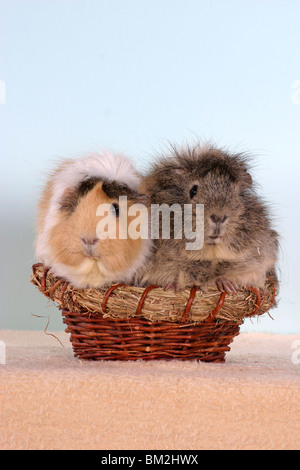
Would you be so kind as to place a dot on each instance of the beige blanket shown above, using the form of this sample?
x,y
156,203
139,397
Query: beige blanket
x,y
51,400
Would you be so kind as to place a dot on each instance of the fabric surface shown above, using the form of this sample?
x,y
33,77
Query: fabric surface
x,y
51,400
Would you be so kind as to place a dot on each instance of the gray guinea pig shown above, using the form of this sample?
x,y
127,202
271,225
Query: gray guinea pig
x,y
239,247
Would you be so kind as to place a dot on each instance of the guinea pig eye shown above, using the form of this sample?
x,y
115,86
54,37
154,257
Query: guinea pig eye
x,y
193,191
116,209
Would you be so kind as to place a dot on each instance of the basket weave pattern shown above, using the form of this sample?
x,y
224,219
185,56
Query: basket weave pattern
x,y
130,323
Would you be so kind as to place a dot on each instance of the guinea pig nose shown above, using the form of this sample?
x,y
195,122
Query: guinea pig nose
x,y
89,241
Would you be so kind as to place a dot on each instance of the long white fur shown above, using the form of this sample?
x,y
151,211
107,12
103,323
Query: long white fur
x,y
113,167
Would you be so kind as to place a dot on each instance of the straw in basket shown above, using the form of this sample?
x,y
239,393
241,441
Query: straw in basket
x,y
130,323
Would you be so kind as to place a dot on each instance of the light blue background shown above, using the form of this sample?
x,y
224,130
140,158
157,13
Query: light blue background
x,y
129,75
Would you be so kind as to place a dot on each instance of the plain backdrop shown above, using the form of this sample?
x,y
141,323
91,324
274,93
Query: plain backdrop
x,y
130,75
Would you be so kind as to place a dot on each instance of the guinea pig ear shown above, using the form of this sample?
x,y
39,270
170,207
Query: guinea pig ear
x,y
69,200
248,180
244,181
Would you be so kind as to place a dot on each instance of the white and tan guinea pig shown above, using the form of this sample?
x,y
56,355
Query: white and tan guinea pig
x,y
68,241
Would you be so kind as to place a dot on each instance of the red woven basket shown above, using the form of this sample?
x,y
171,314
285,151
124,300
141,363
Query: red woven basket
x,y
135,331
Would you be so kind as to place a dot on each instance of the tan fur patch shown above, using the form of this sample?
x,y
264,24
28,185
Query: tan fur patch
x,y
114,254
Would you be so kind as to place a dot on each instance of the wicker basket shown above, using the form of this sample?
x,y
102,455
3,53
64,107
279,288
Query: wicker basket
x,y
130,323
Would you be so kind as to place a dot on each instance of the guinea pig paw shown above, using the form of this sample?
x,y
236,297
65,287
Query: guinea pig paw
x,y
172,286
225,285
203,287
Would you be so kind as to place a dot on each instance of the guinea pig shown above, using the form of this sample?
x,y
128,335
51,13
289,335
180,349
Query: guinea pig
x,y
239,247
71,240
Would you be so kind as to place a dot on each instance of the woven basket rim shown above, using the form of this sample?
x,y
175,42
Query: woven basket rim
x,y
153,303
